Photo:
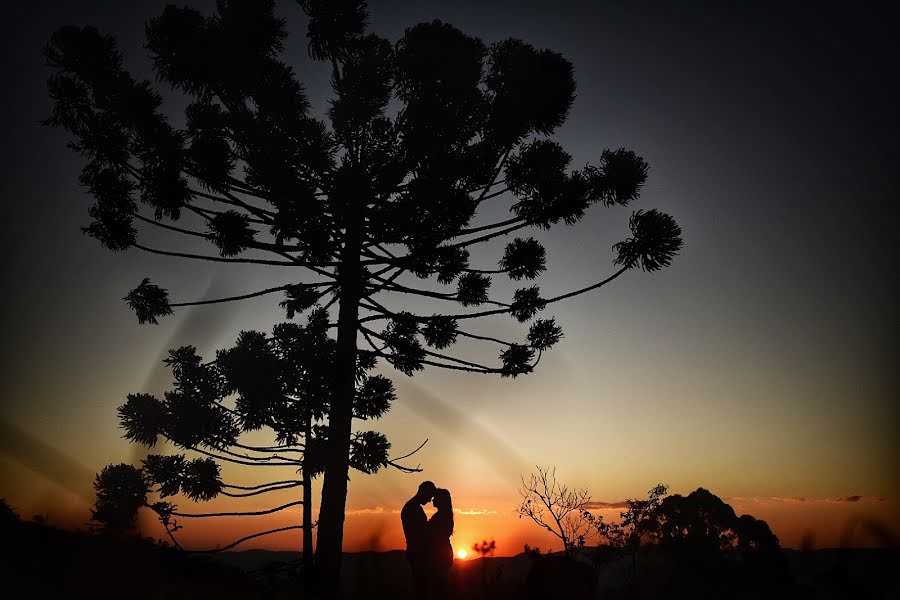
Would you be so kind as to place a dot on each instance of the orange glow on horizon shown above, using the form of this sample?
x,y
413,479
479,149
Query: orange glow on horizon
x,y
824,522
828,522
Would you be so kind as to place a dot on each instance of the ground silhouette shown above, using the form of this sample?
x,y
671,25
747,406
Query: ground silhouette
x,y
52,563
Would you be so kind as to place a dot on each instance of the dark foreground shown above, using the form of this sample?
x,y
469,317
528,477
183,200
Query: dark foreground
x,y
44,562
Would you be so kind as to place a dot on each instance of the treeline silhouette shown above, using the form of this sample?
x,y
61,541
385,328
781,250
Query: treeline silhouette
x,y
41,561
694,547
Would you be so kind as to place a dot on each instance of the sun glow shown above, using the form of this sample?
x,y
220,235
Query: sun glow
x,y
461,553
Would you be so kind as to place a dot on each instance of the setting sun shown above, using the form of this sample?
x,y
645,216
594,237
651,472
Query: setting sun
x,y
461,553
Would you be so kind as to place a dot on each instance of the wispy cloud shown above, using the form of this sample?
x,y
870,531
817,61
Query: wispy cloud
x,y
622,504
474,511
378,510
802,500
599,505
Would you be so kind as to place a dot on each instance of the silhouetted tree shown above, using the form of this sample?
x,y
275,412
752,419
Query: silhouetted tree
x,y
698,546
624,538
360,206
485,549
558,509
282,383
8,516
708,540
120,491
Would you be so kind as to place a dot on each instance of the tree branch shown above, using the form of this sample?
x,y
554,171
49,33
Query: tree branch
x,y
262,491
404,469
238,514
233,200
243,187
588,288
489,186
379,351
262,459
264,217
244,539
169,227
385,282
484,370
245,462
417,469
262,485
388,357
497,225
493,195
496,174
483,338
205,212
284,448
489,236
392,286
501,311
254,261
280,288
435,354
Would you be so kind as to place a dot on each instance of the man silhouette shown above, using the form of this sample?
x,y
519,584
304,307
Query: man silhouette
x,y
414,520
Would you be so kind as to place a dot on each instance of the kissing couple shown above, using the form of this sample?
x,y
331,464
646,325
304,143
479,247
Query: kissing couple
x,y
428,548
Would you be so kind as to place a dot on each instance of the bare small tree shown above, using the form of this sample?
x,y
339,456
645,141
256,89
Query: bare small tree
x,y
558,509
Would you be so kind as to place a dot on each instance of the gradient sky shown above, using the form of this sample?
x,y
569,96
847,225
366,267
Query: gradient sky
x,y
761,365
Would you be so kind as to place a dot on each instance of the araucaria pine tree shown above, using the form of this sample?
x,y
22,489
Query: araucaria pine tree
x,y
358,207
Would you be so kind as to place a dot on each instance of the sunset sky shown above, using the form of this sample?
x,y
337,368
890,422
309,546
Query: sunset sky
x,y
762,365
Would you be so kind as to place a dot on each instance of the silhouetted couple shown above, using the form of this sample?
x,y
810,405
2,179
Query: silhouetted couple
x,y
428,548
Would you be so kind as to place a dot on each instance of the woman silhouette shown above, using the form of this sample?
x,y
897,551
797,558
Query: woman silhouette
x,y
438,531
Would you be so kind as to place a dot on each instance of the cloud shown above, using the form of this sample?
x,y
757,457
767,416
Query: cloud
x,y
598,505
474,511
802,500
378,510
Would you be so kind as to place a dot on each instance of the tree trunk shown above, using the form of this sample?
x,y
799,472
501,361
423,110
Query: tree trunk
x,y
337,462
307,505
